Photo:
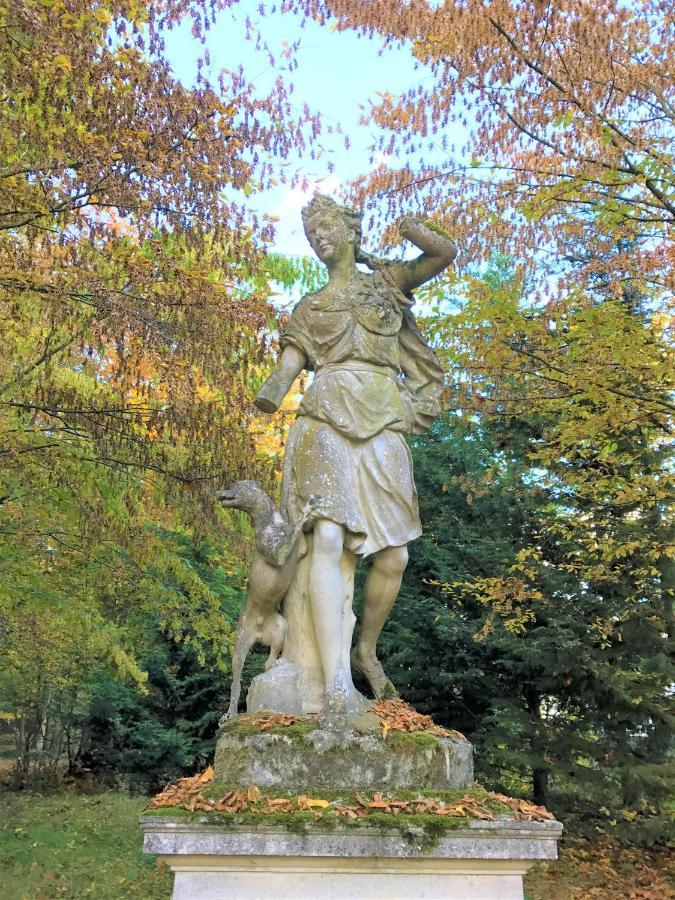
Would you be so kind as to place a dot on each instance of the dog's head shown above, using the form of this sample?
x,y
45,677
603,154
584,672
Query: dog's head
x,y
246,495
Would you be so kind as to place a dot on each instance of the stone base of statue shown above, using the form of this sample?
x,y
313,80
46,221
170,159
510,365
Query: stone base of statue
x,y
485,861
303,757
291,811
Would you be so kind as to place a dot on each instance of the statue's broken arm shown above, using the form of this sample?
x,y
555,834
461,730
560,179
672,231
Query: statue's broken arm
x,y
278,384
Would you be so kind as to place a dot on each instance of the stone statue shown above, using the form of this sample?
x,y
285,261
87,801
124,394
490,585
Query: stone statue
x,y
347,462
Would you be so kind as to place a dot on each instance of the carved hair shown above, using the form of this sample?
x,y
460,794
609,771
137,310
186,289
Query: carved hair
x,y
321,204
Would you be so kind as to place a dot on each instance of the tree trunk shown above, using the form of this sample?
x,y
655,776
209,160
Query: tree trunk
x,y
540,786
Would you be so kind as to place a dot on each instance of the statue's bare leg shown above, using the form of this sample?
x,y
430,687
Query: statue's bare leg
x,y
381,589
327,597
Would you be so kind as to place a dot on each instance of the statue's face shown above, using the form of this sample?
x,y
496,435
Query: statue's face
x,y
330,236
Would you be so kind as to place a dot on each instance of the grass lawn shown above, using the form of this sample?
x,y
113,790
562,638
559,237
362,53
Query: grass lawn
x,y
74,845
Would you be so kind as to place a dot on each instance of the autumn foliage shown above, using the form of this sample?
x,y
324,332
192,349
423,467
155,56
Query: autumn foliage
x,y
125,262
397,715
133,310
533,125
193,794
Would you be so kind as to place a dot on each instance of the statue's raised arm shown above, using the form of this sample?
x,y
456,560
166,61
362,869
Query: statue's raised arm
x,y
438,252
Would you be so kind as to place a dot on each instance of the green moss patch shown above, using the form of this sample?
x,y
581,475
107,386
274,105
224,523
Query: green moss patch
x,y
423,828
246,725
433,226
418,740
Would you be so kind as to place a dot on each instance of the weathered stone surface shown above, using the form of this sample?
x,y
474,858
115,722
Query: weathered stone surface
x,y
485,861
277,689
284,689
502,839
324,759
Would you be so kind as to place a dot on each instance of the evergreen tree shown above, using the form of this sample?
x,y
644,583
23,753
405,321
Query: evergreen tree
x,y
557,709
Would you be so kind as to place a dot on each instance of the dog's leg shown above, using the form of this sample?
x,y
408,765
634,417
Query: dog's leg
x,y
245,640
277,640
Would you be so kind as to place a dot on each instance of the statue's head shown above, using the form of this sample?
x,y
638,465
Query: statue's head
x,y
331,228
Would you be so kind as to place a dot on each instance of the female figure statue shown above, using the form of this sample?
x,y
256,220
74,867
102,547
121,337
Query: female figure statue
x,y
375,379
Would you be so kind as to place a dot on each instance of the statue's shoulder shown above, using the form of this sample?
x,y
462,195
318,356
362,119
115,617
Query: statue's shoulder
x,y
309,301
302,306
385,281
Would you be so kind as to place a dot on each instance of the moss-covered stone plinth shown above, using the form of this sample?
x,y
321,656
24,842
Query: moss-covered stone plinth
x,y
226,861
301,756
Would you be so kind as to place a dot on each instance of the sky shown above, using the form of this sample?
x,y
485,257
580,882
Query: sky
x,y
337,74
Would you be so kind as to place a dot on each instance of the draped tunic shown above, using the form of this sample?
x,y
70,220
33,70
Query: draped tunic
x,y
375,379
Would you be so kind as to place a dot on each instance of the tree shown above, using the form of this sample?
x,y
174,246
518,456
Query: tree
x,y
150,737
134,290
533,125
558,708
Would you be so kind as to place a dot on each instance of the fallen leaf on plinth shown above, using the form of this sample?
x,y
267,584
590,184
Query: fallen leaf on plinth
x,y
397,715
467,806
177,794
199,802
271,720
523,810
305,802
232,802
225,801
163,799
277,805
378,802
352,812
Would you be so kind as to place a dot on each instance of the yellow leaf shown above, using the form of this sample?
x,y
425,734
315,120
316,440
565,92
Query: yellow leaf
x,y
62,62
103,16
305,802
253,794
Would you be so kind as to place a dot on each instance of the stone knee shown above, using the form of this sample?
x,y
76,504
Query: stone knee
x,y
391,561
328,540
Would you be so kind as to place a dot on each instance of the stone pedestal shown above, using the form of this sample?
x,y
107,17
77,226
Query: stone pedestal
x,y
297,760
485,861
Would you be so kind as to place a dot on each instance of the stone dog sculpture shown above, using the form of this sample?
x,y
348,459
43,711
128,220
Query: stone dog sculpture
x,y
277,547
